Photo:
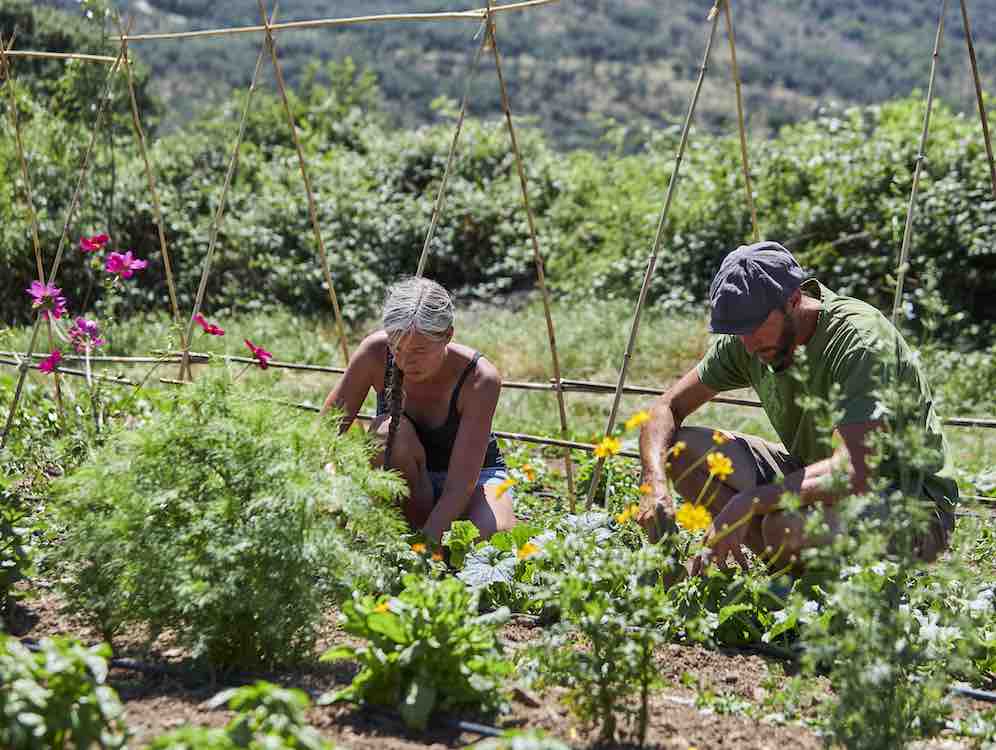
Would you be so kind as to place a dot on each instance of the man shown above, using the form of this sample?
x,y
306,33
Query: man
x,y
768,314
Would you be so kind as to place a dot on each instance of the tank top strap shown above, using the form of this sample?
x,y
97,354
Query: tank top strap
x,y
463,377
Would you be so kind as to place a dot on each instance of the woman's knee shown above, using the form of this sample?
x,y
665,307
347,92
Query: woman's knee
x,y
490,514
406,443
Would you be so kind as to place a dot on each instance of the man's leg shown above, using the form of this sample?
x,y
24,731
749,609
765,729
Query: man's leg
x,y
408,457
755,462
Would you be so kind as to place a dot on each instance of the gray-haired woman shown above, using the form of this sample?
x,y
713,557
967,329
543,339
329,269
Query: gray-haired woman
x,y
435,403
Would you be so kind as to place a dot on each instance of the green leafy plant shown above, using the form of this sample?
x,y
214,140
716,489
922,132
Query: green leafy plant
x,y
426,649
269,718
613,614
57,698
216,519
14,557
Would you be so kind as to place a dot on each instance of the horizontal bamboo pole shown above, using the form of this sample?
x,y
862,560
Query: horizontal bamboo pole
x,y
466,15
578,386
78,373
43,55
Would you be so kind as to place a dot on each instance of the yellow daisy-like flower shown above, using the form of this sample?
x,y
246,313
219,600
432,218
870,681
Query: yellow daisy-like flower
x,y
382,607
530,472
628,513
719,438
418,548
645,488
720,466
677,448
505,487
527,550
637,419
609,446
693,517
437,556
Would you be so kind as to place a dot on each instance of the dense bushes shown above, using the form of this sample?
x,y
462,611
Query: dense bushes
x,y
215,519
833,189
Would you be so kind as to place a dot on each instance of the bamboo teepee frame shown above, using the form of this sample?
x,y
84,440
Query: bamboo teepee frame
x,y
486,18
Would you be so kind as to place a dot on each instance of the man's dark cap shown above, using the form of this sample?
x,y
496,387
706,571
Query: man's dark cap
x,y
752,281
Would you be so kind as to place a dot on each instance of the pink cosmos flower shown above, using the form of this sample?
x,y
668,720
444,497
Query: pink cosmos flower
x,y
93,244
84,335
50,362
48,297
262,356
124,265
209,328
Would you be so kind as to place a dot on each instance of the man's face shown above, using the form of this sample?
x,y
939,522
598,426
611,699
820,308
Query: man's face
x,y
773,341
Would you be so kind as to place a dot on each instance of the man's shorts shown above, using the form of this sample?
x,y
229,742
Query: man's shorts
x,y
772,462
489,475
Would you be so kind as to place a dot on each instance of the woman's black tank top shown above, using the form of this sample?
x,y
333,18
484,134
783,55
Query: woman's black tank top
x,y
438,443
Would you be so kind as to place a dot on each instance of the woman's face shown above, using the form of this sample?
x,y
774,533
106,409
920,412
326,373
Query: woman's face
x,y
420,357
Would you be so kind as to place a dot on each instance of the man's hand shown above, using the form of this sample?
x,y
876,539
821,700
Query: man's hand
x,y
726,536
656,514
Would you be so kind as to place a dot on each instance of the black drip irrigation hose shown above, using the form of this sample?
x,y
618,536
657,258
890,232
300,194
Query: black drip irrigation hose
x,y
239,680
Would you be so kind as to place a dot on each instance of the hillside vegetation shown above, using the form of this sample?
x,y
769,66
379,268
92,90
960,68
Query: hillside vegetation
x,y
573,64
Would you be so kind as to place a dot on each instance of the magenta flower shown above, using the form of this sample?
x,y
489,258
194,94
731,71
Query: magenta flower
x,y
93,244
84,335
48,298
124,265
209,328
50,362
262,356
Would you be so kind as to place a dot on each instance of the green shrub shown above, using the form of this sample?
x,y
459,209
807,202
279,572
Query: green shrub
x,y
427,649
215,519
269,718
57,698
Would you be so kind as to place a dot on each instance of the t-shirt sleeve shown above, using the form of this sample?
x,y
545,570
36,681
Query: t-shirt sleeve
x,y
723,368
859,375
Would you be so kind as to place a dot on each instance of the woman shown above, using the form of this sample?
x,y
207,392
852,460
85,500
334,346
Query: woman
x,y
435,403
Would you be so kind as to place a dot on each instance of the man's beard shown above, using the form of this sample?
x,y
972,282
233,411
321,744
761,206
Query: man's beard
x,y
783,349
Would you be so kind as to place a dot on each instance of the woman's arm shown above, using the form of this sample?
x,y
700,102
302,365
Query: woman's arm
x,y
364,368
479,399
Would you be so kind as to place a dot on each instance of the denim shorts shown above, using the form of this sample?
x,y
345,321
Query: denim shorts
x,y
489,475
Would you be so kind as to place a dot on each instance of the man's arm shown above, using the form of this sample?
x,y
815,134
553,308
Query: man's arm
x,y
479,399
656,438
815,483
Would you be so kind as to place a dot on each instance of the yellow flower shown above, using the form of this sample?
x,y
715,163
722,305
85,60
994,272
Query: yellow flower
x,y
418,548
628,513
719,465
719,438
530,472
437,556
693,517
637,419
678,447
609,446
505,487
382,607
645,488
527,550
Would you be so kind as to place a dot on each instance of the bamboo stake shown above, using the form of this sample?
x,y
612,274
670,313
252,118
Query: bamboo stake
x,y
537,254
312,208
79,373
150,177
658,239
437,209
43,55
983,117
735,69
468,15
920,158
74,203
28,199
233,163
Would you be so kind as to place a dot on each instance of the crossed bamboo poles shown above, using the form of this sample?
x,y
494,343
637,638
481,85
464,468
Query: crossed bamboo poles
x,y
485,16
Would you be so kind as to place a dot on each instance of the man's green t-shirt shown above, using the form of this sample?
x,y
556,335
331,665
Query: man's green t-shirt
x,y
854,353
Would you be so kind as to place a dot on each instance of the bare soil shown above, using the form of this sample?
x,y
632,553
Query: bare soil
x,y
157,703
